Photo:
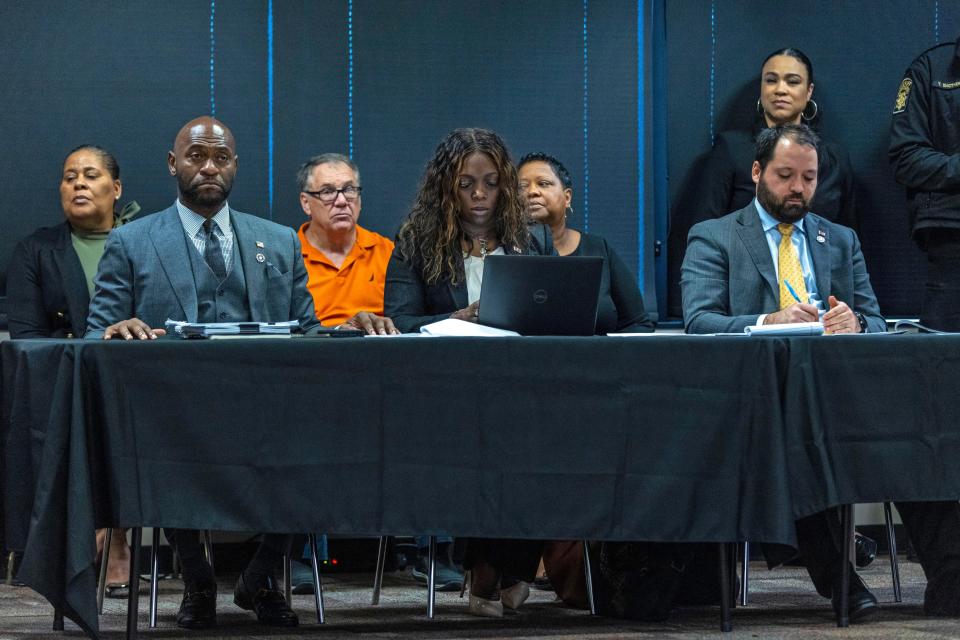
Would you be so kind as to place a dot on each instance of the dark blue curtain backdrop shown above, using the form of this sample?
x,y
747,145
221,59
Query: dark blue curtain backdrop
x,y
859,51
383,81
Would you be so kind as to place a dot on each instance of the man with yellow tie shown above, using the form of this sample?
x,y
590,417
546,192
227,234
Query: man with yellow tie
x,y
775,262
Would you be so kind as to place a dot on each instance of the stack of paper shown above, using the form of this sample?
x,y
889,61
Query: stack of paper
x,y
210,329
791,329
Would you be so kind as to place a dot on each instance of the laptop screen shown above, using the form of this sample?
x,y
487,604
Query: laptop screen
x,y
541,295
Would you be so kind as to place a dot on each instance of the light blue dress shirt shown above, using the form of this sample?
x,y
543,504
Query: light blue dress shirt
x,y
799,240
193,226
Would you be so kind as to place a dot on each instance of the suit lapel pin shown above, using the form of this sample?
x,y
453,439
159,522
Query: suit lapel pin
x,y
821,236
259,245
260,257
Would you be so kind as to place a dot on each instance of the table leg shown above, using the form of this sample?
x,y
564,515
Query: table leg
x,y
133,599
725,624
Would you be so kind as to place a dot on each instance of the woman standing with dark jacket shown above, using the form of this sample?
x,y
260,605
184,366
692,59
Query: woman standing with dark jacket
x,y
786,96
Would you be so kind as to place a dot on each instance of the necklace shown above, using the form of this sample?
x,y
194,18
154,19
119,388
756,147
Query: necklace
x,y
483,247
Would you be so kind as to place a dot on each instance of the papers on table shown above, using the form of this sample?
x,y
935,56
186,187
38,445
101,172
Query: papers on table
x,y
212,329
460,328
792,329
914,326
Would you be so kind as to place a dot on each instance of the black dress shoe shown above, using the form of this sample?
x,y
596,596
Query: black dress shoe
x,y
198,610
861,603
266,600
866,550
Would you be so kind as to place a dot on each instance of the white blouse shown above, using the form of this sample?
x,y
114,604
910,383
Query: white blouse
x,y
473,268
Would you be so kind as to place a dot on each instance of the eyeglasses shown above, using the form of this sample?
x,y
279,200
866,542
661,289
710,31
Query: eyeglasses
x,y
328,195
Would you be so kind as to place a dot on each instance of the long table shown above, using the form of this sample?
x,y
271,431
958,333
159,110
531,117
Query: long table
x,y
668,438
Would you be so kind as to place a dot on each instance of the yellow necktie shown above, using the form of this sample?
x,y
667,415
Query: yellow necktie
x,y
788,264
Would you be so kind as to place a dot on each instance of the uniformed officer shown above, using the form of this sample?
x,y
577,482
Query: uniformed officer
x,y
925,154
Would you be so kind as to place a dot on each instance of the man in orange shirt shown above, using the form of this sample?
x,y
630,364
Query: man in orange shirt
x,y
346,264
346,268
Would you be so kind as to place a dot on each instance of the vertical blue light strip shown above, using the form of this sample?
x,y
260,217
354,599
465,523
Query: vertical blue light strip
x,y
270,106
213,42
713,63
586,113
936,22
641,146
350,75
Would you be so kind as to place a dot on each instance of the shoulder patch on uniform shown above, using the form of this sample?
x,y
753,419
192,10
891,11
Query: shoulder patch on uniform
x,y
902,94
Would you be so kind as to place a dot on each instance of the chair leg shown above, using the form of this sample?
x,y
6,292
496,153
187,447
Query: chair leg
x,y
58,620
317,587
892,543
846,522
287,576
431,576
104,561
725,624
378,574
11,561
154,574
732,548
133,599
588,574
207,538
745,575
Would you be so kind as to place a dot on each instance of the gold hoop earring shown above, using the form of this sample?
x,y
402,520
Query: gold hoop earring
x,y
816,110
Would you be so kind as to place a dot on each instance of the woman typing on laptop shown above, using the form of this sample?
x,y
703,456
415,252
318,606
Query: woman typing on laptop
x,y
548,188
468,207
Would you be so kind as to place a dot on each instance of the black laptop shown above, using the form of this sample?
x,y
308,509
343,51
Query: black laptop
x,y
541,295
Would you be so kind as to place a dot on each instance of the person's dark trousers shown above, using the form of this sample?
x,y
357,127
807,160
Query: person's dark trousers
x,y
941,296
934,529
818,541
196,571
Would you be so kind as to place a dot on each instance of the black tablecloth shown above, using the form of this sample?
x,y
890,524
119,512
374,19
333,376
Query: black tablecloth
x,y
665,438
602,438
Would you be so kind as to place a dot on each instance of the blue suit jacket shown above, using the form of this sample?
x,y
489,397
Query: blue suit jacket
x,y
145,273
728,279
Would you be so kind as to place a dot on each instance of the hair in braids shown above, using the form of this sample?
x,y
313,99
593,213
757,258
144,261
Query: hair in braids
x,y
431,236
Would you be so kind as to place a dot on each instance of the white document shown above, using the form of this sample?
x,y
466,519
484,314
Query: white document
x,y
461,328
789,329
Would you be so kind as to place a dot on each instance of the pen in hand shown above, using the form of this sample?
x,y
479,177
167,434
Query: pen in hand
x,y
792,292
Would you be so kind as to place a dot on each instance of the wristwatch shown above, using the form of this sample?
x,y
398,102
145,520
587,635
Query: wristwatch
x,y
862,321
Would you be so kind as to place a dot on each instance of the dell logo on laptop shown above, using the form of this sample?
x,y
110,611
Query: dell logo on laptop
x,y
540,296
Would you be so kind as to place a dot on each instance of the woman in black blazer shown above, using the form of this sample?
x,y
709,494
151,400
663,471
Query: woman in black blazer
x,y
50,279
468,207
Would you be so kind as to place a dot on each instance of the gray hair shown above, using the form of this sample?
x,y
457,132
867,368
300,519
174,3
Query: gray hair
x,y
303,173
